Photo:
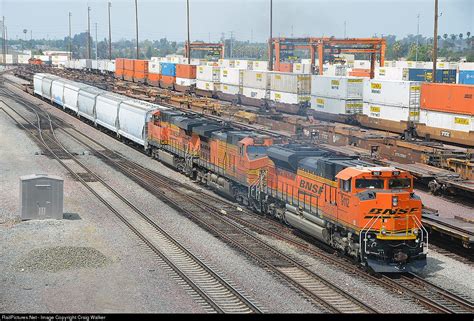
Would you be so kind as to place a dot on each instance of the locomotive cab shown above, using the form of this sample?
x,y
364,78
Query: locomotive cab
x,y
391,236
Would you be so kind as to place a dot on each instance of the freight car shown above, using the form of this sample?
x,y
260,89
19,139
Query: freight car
x,y
370,213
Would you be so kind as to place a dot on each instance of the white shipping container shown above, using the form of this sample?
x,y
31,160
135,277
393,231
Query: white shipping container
x,y
300,68
336,106
229,89
335,70
243,64
11,59
231,76
132,117
86,101
254,93
154,68
412,64
227,63
185,81
390,63
392,92
110,66
256,79
361,64
389,112
206,85
106,110
81,64
466,66
208,73
289,98
391,73
259,65
290,83
23,59
449,121
71,93
337,87
94,64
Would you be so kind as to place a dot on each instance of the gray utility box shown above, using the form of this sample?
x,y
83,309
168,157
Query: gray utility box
x,y
41,197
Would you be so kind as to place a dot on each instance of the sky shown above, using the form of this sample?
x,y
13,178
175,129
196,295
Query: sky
x,y
245,19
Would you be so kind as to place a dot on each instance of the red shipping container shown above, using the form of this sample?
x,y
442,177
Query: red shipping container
x,y
186,71
451,98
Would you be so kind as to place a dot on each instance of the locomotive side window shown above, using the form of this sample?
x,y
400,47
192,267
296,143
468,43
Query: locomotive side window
x,y
369,183
399,183
346,185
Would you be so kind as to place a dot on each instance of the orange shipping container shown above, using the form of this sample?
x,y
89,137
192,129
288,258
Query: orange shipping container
x,y
168,80
141,66
451,98
285,67
119,63
360,73
154,79
186,71
128,75
128,64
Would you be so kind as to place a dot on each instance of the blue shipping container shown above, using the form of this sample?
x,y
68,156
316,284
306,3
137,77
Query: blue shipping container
x,y
466,77
442,75
168,69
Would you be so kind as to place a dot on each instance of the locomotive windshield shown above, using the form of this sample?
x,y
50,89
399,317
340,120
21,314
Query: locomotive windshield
x,y
399,183
369,183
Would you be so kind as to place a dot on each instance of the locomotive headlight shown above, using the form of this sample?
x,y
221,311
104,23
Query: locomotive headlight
x,y
395,201
416,231
383,231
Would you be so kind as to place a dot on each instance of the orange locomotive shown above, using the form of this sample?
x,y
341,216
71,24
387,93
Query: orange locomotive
x,y
367,212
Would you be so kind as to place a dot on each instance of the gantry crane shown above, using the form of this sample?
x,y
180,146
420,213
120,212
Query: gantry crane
x,y
321,46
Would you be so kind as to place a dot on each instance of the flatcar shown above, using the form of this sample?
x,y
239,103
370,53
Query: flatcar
x,y
367,212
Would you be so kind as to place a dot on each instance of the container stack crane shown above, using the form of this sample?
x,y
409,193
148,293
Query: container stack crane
x,y
325,46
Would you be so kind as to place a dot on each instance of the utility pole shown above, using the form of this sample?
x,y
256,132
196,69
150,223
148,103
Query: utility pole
x,y
270,41
188,53
345,36
231,41
88,33
110,34
4,41
435,41
136,23
291,31
417,36
70,46
96,43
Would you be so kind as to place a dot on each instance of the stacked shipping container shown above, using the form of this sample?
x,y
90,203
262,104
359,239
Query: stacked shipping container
x,y
336,95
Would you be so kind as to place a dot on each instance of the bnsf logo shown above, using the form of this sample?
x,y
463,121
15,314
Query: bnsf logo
x,y
393,211
309,186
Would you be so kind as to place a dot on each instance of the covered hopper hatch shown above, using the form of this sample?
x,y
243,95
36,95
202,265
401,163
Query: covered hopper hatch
x,y
41,197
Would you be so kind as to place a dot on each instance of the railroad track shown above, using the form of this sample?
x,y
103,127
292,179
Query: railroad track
x,y
318,290
432,295
152,180
215,293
